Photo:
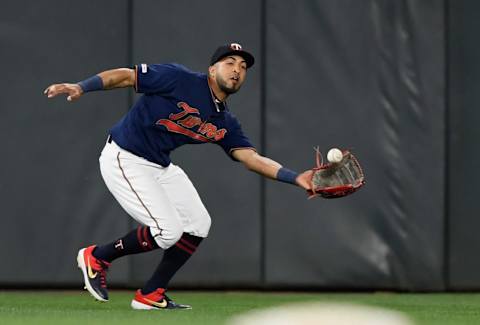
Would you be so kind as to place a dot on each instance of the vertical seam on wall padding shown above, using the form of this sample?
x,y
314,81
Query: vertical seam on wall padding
x,y
263,140
446,230
129,45
129,17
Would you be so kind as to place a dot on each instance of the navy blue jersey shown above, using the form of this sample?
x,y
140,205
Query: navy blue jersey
x,y
176,108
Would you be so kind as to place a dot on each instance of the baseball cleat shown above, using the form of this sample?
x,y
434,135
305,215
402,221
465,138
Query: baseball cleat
x,y
94,273
155,300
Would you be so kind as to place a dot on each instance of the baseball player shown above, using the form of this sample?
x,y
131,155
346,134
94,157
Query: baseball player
x,y
177,107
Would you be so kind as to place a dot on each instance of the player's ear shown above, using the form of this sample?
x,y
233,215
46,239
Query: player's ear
x,y
211,70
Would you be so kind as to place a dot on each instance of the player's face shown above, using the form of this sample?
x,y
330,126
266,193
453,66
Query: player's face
x,y
230,73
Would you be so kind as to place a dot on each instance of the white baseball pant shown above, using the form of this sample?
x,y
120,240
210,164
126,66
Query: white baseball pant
x,y
162,198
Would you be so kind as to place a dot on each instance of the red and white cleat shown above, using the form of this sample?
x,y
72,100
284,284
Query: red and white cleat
x,y
155,300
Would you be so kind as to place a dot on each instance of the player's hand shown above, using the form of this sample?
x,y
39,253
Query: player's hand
x,y
74,91
304,180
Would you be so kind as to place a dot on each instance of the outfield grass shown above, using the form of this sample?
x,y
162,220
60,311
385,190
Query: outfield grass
x,y
71,307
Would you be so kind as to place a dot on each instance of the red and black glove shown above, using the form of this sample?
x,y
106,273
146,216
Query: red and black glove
x,y
334,180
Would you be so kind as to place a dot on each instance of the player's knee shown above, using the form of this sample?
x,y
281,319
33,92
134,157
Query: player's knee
x,y
206,224
167,237
200,225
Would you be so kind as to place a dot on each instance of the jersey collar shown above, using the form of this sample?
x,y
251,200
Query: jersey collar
x,y
220,106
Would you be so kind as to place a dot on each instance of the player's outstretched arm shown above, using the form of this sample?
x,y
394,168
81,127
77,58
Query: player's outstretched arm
x,y
116,78
272,169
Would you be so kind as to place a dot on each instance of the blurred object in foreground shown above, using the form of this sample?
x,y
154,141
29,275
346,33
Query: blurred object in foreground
x,y
321,314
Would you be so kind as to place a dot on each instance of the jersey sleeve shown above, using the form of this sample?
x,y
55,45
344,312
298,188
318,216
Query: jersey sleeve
x,y
235,139
156,78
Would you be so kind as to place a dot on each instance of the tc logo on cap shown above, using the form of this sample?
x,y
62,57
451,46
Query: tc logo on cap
x,y
236,46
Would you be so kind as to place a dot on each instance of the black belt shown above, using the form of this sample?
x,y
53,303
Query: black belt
x,y
109,138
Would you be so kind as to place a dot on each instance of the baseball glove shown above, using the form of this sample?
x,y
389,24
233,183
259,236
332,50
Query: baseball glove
x,y
334,180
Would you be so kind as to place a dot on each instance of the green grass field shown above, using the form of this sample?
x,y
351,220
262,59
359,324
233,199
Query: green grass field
x,y
72,307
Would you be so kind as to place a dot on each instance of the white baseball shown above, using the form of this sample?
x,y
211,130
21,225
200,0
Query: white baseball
x,y
334,155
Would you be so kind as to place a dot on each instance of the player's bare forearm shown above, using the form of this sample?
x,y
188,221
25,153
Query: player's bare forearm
x,y
268,167
110,79
257,163
118,78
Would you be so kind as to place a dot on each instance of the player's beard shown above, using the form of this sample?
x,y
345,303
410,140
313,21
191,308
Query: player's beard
x,y
222,84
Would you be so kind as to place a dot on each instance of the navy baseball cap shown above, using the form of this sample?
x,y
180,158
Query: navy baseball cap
x,y
232,49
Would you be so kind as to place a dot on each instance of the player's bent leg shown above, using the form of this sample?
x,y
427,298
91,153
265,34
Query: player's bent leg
x,y
196,225
94,273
